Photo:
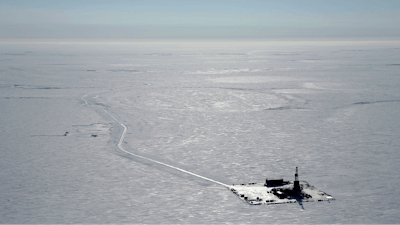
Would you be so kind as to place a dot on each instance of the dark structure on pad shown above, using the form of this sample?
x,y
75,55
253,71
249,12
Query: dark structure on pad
x,y
296,185
275,182
278,191
280,182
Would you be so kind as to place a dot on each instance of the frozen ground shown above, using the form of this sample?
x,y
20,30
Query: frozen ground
x,y
233,113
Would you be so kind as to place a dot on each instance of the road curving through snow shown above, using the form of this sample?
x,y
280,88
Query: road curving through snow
x,y
119,145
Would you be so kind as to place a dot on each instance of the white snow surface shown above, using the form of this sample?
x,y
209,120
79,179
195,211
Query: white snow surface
x,y
233,114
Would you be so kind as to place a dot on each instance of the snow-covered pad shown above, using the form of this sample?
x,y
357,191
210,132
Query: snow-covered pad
x,y
258,194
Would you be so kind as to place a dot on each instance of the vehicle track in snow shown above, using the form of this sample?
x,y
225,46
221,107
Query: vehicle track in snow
x,y
119,145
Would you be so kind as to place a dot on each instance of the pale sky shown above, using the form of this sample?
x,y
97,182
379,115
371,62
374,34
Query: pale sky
x,y
199,19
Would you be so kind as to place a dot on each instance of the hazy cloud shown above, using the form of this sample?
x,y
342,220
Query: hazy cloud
x,y
254,20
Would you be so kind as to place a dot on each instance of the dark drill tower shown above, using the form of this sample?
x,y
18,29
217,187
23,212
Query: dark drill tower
x,y
296,181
